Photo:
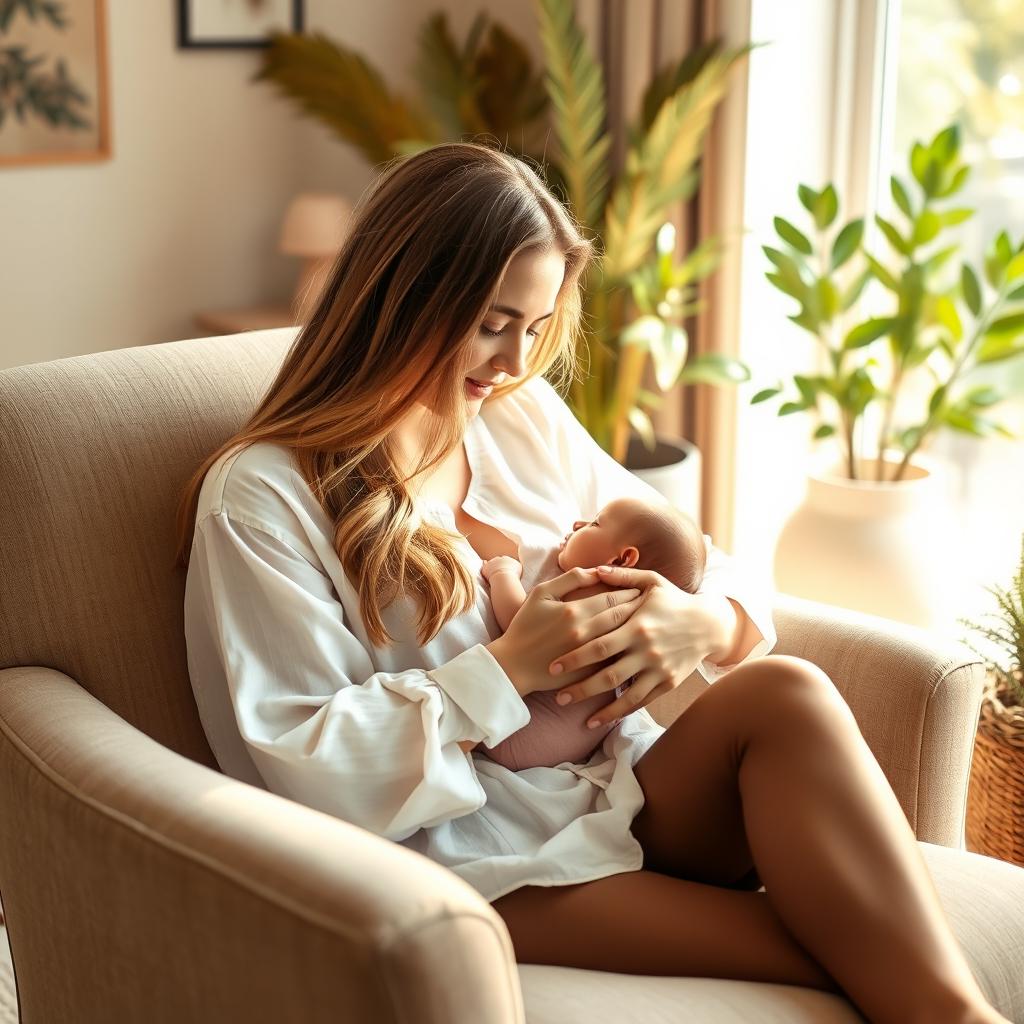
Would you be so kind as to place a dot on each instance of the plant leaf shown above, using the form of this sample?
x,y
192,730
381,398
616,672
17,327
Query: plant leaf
x,y
1015,268
1011,325
899,195
846,242
983,395
808,197
575,85
949,218
662,169
447,79
669,348
714,368
674,75
797,239
926,227
867,332
512,98
641,423
655,401
853,292
882,274
826,207
895,238
955,184
998,348
764,395
970,288
339,88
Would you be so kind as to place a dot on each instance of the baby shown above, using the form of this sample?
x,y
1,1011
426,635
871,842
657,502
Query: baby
x,y
626,532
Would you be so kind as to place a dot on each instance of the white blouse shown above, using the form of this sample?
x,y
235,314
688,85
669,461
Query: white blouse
x,y
295,698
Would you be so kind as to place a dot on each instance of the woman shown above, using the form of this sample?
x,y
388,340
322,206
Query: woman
x,y
343,652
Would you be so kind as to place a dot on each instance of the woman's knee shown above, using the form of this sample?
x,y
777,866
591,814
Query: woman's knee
x,y
772,679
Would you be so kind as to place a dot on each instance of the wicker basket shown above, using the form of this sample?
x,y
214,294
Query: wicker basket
x,y
995,797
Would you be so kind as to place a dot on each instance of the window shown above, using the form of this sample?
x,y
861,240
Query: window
x,y
963,61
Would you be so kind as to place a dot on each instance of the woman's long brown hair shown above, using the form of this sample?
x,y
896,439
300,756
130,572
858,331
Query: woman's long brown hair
x,y
428,246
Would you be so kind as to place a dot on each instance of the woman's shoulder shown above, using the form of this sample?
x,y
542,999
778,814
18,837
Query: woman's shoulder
x,y
257,483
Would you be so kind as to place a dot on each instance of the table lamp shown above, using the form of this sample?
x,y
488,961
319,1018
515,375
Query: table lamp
x,y
314,227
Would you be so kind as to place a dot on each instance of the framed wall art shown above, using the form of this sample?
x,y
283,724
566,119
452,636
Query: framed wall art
x,y
54,92
234,24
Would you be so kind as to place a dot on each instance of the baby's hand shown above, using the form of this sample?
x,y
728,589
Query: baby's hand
x,y
501,563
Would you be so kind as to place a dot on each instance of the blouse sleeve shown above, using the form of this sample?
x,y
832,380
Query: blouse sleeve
x,y
598,478
379,749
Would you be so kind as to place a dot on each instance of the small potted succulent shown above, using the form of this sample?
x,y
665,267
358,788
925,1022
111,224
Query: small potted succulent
x,y
869,530
995,800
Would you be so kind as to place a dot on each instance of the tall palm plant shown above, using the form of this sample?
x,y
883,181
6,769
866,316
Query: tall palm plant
x,y
489,86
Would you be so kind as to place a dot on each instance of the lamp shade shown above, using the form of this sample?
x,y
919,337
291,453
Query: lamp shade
x,y
315,225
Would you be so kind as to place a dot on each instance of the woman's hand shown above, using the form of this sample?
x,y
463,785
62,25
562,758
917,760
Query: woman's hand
x,y
660,645
546,626
501,563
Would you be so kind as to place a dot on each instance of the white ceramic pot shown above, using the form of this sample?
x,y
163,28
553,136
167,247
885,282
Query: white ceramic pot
x,y
888,548
673,469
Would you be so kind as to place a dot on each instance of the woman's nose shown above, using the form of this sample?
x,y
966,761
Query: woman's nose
x,y
512,360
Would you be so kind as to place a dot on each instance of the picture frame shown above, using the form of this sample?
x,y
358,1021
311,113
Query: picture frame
x,y
236,24
60,111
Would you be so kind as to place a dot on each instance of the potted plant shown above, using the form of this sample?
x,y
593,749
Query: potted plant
x,y
636,295
995,799
871,532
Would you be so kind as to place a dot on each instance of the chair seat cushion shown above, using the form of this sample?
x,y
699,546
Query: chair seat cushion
x,y
982,897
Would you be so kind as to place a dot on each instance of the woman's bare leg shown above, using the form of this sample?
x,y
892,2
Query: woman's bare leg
x,y
644,922
798,793
840,863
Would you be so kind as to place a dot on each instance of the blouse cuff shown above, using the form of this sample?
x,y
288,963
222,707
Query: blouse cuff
x,y
478,684
760,615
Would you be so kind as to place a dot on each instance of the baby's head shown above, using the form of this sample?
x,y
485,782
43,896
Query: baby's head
x,y
640,535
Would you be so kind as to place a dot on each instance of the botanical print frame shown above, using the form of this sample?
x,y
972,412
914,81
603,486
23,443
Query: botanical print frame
x,y
58,109
235,24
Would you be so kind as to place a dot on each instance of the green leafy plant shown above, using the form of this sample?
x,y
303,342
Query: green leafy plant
x,y
949,324
636,295
1005,632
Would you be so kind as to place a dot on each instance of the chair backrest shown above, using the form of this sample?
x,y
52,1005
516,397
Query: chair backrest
x,y
95,451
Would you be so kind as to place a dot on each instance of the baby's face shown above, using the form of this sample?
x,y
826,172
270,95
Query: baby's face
x,y
598,541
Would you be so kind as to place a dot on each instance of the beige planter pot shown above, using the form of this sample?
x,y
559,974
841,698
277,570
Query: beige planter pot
x,y
673,469
884,547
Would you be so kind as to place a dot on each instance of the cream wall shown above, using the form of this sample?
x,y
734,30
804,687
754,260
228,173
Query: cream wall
x,y
185,215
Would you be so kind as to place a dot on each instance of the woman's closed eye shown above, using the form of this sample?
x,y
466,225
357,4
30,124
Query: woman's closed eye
x,y
495,334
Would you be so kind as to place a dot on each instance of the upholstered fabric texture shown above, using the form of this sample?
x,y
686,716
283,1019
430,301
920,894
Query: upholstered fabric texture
x,y
138,883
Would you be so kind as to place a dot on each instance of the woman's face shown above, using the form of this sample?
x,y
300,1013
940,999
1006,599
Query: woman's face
x,y
525,301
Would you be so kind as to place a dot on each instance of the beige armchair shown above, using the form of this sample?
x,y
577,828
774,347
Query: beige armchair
x,y
139,883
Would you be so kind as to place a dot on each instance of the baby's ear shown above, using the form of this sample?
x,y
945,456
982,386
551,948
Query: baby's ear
x,y
629,557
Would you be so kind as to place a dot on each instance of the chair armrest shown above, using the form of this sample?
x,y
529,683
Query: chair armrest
x,y
916,695
138,883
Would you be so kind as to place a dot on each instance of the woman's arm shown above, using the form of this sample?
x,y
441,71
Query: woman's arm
x,y
266,632
737,631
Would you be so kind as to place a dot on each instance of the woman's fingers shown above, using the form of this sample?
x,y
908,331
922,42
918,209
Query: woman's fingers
x,y
603,681
569,581
618,606
606,606
641,692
